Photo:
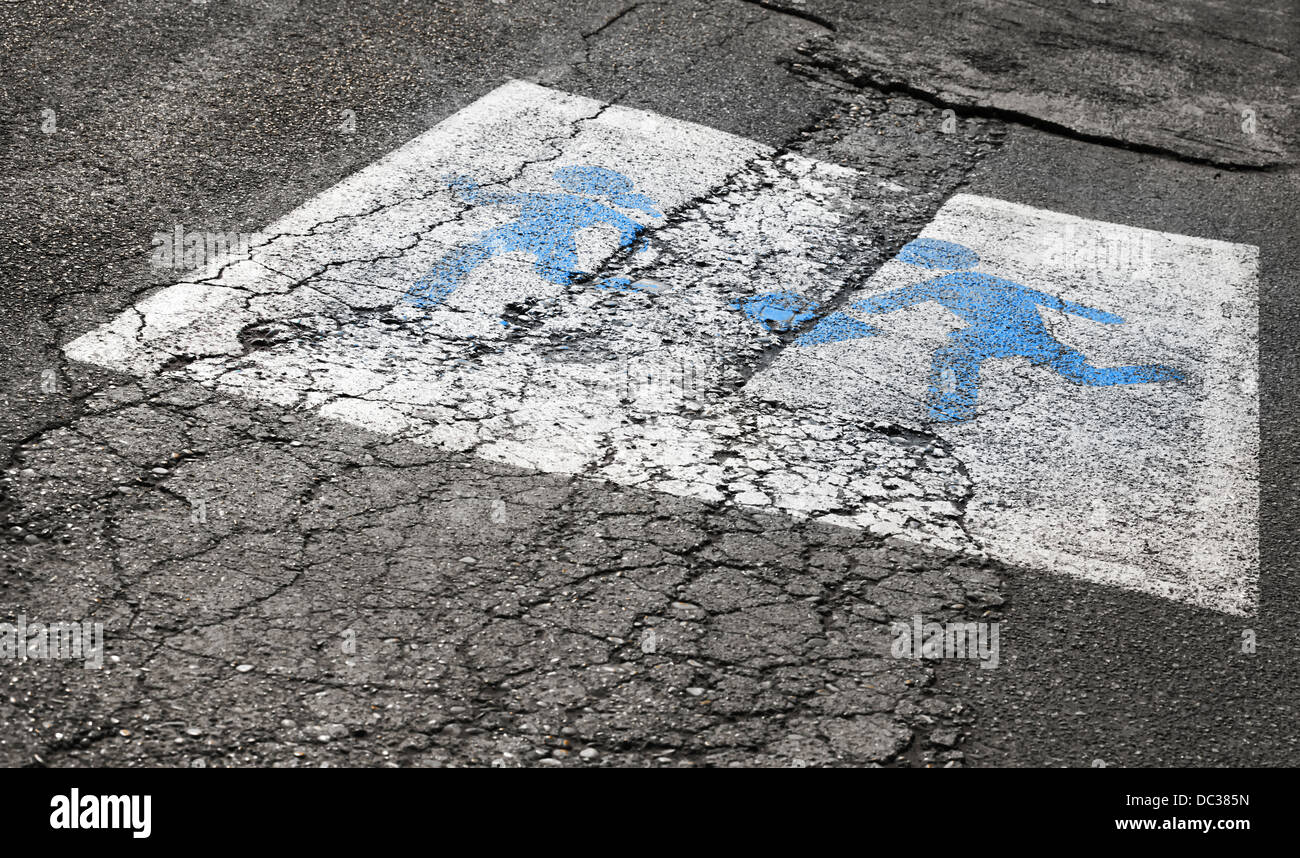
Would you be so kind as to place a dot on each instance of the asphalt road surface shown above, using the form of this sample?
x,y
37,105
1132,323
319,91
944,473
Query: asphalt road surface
x,y
602,384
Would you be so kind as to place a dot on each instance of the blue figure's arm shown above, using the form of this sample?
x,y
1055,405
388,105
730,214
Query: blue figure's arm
x,y
905,296
1054,303
468,191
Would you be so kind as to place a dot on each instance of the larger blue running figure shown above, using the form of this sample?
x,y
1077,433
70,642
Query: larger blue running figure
x,y
1002,321
546,229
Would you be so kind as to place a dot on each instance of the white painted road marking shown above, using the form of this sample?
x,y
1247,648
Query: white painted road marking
x,y
1149,486
633,386
484,288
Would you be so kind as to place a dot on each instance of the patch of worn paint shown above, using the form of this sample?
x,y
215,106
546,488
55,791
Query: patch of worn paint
x,y
627,284
779,311
547,228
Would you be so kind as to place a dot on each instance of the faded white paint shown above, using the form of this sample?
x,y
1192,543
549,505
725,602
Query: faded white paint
x,y
633,387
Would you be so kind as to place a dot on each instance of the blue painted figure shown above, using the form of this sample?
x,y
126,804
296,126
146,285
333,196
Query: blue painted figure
x,y
1002,321
547,228
778,311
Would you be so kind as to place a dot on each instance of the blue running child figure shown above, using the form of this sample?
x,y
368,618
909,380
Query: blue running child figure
x,y
1002,321
546,229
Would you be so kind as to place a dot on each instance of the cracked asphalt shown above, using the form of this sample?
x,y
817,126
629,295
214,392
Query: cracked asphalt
x,y
345,597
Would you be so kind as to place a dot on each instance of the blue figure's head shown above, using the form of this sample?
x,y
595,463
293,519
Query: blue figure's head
x,y
603,182
933,253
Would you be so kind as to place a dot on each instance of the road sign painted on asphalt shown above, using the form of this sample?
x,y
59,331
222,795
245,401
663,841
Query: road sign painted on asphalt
x,y
1098,382
565,285
575,287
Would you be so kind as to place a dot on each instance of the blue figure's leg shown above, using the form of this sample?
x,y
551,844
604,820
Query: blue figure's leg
x,y
954,383
447,273
1074,366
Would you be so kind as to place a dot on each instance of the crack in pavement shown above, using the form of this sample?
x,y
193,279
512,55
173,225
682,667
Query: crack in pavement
x,y
812,62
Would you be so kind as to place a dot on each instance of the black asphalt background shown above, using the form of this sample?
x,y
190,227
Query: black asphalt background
x,y
223,115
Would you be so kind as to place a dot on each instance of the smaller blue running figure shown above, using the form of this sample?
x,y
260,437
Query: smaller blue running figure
x,y
547,228
1002,321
